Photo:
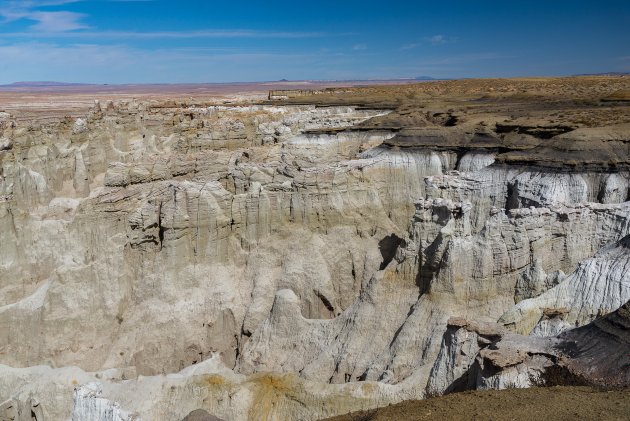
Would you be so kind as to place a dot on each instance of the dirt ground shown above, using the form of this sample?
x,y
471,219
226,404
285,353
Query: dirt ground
x,y
551,404
41,102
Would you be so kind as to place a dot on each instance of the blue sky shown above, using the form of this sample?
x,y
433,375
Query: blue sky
x,y
150,41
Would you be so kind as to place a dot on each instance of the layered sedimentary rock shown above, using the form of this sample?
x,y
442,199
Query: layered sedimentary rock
x,y
298,261
487,356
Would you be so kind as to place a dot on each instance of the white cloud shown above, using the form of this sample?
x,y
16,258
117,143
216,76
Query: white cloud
x,y
65,24
462,59
360,47
56,21
90,63
17,9
203,33
440,39
437,39
408,46
46,21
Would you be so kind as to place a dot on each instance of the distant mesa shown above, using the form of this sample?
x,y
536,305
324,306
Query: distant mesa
x,y
42,84
605,74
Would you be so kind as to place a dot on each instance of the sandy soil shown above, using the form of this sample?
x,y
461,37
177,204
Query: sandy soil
x,y
554,403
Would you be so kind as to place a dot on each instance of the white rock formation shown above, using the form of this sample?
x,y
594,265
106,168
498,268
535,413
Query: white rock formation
x,y
265,262
475,161
599,286
487,356
89,405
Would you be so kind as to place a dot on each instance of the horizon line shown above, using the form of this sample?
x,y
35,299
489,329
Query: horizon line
x,y
50,83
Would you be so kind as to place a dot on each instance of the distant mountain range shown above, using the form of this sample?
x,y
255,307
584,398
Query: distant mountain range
x,y
41,84
604,74
52,84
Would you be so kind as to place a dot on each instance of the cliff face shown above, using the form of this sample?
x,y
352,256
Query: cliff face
x,y
293,261
486,356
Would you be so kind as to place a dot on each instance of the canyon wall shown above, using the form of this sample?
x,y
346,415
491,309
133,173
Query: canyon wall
x,y
284,261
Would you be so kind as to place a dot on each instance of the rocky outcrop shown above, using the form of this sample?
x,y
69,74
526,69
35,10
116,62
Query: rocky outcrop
x,y
89,405
210,385
586,148
599,286
598,352
486,356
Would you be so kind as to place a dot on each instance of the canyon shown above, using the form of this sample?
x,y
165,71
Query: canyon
x,y
307,255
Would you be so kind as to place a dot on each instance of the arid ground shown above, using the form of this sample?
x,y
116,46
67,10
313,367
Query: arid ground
x,y
553,403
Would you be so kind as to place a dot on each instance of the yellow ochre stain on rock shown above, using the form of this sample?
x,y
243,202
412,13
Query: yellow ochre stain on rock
x,y
271,391
214,380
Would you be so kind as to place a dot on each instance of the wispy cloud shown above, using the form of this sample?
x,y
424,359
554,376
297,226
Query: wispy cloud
x,y
360,47
45,21
203,33
48,23
410,46
68,24
11,10
438,39
54,22
124,64
462,59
